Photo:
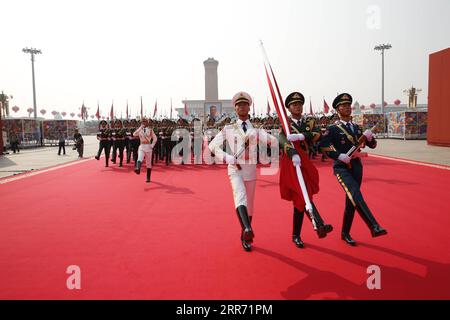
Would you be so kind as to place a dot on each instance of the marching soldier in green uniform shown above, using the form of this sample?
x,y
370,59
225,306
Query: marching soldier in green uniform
x,y
119,134
134,141
306,133
336,142
104,139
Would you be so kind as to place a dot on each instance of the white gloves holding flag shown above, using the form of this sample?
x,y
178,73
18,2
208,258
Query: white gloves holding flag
x,y
296,160
295,137
344,158
368,134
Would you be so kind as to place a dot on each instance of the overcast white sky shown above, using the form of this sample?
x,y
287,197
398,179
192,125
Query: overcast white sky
x,y
119,50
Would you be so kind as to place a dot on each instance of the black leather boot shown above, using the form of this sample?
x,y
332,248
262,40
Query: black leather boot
x,y
149,172
349,214
247,234
106,161
137,168
348,239
322,228
375,229
296,228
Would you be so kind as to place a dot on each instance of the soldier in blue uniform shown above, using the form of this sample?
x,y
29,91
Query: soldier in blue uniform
x,y
339,138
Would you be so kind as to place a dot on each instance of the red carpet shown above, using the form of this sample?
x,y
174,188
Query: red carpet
x,y
178,237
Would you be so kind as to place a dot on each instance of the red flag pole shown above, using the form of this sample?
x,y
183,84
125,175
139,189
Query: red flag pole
x,y
283,116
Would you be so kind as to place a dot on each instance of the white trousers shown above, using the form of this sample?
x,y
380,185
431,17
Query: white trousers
x,y
145,150
243,192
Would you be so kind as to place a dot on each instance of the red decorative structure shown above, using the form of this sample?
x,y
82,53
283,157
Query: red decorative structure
x,y
43,111
15,108
397,102
438,98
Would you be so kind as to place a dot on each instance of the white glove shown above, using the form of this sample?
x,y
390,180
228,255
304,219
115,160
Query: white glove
x,y
295,137
368,134
296,160
344,158
230,159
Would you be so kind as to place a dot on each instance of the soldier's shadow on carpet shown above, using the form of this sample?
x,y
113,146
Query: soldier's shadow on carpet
x,y
154,185
396,283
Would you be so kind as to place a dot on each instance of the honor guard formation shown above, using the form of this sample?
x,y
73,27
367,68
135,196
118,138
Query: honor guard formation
x,y
235,143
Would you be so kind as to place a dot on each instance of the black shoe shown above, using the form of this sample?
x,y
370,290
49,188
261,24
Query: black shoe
x,y
137,168
245,244
149,171
247,232
347,238
298,241
377,231
97,157
120,165
328,228
321,232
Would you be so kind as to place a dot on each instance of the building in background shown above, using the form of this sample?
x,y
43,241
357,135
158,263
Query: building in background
x,y
211,106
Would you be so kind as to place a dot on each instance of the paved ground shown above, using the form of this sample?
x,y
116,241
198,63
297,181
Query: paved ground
x,y
417,150
33,159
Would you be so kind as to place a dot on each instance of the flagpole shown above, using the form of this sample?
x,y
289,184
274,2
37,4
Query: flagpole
x,y
301,181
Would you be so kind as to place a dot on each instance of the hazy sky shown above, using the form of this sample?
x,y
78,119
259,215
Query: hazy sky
x,y
119,50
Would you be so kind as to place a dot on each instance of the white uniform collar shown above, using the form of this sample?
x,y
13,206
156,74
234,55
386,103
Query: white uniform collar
x,y
249,124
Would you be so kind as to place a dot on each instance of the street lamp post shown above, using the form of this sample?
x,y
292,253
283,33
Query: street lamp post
x,y
34,51
381,48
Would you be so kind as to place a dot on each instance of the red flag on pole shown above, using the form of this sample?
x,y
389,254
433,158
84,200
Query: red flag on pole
x,y
84,114
155,109
326,108
253,108
111,114
142,109
289,183
185,110
97,114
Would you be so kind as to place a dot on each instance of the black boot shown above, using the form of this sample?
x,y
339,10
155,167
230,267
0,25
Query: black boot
x,y
106,161
149,172
137,168
375,229
322,228
348,239
97,157
296,228
247,232
349,214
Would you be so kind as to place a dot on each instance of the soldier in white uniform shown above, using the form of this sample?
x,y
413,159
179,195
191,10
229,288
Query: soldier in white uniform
x,y
148,140
241,165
